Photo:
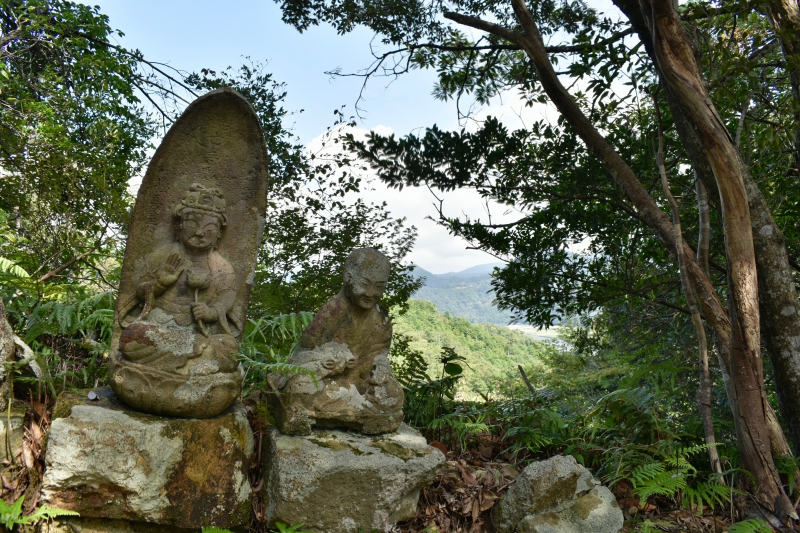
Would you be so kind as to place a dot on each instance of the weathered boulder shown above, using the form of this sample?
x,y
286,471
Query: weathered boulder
x,y
338,482
106,460
557,496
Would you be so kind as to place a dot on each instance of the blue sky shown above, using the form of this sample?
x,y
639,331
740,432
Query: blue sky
x,y
190,35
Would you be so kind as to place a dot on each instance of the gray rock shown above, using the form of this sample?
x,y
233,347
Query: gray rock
x,y
338,482
557,496
104,525
119,464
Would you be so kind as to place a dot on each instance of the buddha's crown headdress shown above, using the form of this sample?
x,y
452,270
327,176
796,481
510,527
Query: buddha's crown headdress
x,y
203,198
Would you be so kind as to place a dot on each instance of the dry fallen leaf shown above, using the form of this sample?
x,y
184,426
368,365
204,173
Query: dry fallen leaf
x,y
27,455
488,499
439,446
467,476
36,432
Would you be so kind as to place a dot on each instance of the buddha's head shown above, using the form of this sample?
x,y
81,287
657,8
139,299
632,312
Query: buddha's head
x,y
366,273
200,217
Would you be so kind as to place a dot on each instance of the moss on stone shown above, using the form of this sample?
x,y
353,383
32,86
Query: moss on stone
x,y
393,448
336,445
66,401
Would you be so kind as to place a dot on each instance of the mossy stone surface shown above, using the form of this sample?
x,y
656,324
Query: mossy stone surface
x,y
337,482
107,461
557,496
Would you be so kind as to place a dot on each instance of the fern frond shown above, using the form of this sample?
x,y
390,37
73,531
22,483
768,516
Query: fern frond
x,y
751,525
7,266
45,512
644,473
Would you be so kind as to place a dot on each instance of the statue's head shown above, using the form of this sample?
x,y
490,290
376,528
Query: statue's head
x,y
200,217
366,273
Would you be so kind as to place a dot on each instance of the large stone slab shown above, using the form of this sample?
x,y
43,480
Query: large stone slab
x,y
338,482
557,496
105,460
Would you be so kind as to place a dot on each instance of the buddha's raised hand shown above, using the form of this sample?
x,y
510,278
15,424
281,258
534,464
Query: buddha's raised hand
x,y
169,273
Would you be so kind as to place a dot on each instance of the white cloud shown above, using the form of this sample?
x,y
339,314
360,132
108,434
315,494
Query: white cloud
x,y
436,250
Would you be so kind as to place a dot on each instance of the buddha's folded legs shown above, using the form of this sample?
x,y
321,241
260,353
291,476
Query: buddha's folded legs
x,y
171,349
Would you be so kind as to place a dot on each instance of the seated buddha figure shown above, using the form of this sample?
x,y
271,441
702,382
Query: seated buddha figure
x,y
182,323
345,349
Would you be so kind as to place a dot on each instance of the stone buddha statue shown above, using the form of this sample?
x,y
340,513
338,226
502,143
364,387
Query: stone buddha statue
x,y
177,348
346,348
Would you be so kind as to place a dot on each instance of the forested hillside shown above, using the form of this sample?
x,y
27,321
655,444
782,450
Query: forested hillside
x,y
468,294
492,352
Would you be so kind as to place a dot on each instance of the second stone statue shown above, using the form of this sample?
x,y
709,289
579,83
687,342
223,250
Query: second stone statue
x,y
345,349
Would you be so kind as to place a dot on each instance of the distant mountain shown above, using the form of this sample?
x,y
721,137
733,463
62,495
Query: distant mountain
x,y
476,271
467,294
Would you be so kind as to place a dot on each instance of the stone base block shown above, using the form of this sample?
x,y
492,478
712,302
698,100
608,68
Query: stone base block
x,y
338,482
557,496
107,461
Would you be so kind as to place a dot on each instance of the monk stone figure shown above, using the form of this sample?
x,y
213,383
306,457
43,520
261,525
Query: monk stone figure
x,y
346,347
181,327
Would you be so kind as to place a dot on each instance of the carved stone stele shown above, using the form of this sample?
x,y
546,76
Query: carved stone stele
x,y
190,261
346,347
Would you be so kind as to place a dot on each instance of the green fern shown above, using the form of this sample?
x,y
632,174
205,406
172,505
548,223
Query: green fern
x,y
709,494
667,483
214,529
283,528
751,525
11,515
649,526
8,266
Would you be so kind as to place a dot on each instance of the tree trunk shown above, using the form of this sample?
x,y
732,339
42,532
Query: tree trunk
x,y
676,62
778,301
7,350
704,387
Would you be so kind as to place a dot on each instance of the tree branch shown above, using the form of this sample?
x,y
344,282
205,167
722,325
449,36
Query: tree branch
x,y
68,264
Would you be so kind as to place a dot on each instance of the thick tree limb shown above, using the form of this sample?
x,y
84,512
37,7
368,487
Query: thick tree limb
x,y
677,65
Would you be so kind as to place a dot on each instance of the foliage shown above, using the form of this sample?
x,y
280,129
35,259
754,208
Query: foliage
x,y
492,352
11,515
69,335
426,398
73,133
267,345
283,528
751,525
